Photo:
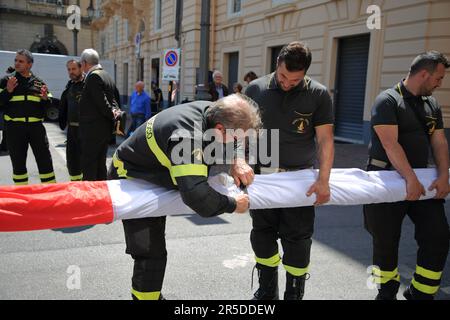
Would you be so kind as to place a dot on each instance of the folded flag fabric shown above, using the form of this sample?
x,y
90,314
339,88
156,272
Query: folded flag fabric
x,y
72,204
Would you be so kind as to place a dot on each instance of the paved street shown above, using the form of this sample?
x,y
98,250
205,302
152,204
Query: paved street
x,y
208,258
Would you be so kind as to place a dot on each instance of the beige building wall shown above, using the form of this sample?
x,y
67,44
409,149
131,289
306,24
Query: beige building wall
x,y
22,23
408,27
154,41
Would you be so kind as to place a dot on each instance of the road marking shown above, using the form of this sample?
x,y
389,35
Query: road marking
x,y
239,261
406,272
446,290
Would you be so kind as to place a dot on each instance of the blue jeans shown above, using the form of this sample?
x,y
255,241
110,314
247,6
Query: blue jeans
x,y
137,120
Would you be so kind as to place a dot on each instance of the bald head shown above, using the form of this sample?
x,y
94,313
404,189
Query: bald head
x,y
139,86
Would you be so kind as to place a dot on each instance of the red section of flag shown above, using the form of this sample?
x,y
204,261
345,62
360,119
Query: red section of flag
x,y
57,205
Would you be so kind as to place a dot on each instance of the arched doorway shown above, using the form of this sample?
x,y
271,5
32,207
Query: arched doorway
x,y
49,45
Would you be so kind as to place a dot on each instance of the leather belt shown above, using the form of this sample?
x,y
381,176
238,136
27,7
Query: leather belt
x,y
269,170
379,163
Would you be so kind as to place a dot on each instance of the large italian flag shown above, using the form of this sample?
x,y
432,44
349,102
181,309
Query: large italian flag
x,y
72,204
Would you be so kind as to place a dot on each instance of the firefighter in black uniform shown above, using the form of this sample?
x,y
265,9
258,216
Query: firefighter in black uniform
x,y
406,122
69,117
150,154
299,108
23,98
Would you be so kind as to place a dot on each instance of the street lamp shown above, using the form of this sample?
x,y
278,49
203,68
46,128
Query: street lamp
x,y
91,10
74,21
59,8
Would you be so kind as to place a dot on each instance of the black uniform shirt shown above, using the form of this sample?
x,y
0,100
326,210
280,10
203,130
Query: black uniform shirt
x,y
168,128
25,100
393,108
295,113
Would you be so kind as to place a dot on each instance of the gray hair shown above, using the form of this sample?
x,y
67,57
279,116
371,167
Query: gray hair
x,y
216,73
235,111
27,54
90,56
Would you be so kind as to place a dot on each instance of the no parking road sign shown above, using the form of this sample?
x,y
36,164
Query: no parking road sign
x,y
171,64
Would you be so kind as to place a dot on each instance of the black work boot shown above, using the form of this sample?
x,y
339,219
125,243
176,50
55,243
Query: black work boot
x,y
268,283
295,287
388,291
412,293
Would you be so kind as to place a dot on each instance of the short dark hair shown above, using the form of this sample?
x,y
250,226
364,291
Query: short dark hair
x,y
428,61
296,55
251,76
73,61
27,54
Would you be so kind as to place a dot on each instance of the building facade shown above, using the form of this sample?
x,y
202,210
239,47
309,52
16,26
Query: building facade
x,y
41,26
355,54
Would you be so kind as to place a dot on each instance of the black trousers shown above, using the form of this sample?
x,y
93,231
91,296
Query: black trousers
x,y
384,221
95,137
3,146
73,153
293,226
20,136
146,243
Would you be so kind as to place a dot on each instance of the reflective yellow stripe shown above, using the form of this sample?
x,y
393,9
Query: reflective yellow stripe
x,y
297,272
189,170
433,275
146,295
50,181
1,90
383,280
31,119
46,175
22,98
269,262
385,274
76,178
8,118
151,141
424,288
120,166
34,98
49,94
24,183
17,98
20,176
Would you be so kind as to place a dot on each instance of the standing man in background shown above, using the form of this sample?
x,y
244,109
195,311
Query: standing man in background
x,y
300,108
23,99
140,107
98,109
158,100
69,116
217,89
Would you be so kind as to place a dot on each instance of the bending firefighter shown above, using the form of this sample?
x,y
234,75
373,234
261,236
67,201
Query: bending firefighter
x,y
152,153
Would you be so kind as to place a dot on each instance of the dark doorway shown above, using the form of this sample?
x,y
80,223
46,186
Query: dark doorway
x,y
349,96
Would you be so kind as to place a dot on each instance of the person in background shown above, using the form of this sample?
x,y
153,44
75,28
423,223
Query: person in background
x,y
140,107
237,88
250,76
69,116
158,99
217,89
98,110
24,99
